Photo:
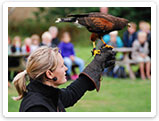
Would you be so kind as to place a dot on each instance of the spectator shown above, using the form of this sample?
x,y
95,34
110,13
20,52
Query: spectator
x,y
54,32
141,25
130,35
146,28
26,48
46,39
9,46
113,39
35,42
16,47
140,54
9,52
67,51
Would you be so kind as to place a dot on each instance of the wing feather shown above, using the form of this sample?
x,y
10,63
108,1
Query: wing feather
x,y
96,24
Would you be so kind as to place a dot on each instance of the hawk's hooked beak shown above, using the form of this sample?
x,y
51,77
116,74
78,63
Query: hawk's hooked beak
x,y
129,25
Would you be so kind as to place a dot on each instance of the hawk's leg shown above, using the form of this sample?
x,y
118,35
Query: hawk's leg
x,y
94,37
94,52
105,45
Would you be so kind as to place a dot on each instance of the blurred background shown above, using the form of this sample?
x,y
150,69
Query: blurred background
x,y
125,88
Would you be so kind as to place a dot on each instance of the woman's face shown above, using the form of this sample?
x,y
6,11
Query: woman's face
x,y
60,71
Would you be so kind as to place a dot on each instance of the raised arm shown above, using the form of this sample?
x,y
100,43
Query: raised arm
x,y
88,79
70,95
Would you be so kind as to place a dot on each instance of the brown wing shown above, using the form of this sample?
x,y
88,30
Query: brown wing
x,y
96,24
100,22
119,23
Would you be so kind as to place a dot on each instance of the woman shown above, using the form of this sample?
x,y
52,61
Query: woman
x,y
46,71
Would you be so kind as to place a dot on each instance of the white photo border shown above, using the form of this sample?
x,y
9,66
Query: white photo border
x,y
79,4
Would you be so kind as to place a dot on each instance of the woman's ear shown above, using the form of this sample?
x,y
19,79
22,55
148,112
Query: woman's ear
x,y
49,74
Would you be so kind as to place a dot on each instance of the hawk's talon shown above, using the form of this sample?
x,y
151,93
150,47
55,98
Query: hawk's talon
x,y
109,46
94,52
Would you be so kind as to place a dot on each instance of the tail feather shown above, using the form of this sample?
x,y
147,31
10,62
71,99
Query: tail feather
x,y
73,19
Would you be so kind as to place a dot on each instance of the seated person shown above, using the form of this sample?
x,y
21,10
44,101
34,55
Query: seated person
x,y
9,46
140,54
68,53
9,52
54,32
46,39
35,42
129,35
15,49
16,45
146,28
113,39
26,48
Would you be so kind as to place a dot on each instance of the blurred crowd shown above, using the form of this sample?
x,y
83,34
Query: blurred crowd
x,y
138,39
50,39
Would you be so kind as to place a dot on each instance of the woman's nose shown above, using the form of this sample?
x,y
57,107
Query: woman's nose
x,y
66,68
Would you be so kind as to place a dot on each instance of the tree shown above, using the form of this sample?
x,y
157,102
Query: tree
x,y
134,14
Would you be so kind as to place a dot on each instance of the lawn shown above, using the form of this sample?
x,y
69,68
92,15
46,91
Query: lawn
x,y
115,95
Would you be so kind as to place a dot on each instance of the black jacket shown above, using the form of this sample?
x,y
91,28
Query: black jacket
x,y
55,42
43,98
127,41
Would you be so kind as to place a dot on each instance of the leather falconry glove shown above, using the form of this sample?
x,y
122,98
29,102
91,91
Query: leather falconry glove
x,y
105,59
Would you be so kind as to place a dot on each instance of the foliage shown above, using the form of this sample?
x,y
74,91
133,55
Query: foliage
x,y
45,17
134,14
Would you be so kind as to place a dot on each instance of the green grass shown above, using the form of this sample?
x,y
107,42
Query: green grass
x,y
115,95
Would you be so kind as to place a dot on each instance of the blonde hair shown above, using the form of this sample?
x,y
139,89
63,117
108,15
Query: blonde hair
x,y
41,60
53,28
46,35
113,33
27,40
133,25
142,33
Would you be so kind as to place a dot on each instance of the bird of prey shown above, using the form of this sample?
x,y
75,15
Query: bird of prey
x,y
97,23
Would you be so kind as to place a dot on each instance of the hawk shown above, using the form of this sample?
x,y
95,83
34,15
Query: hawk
x,y
98,24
